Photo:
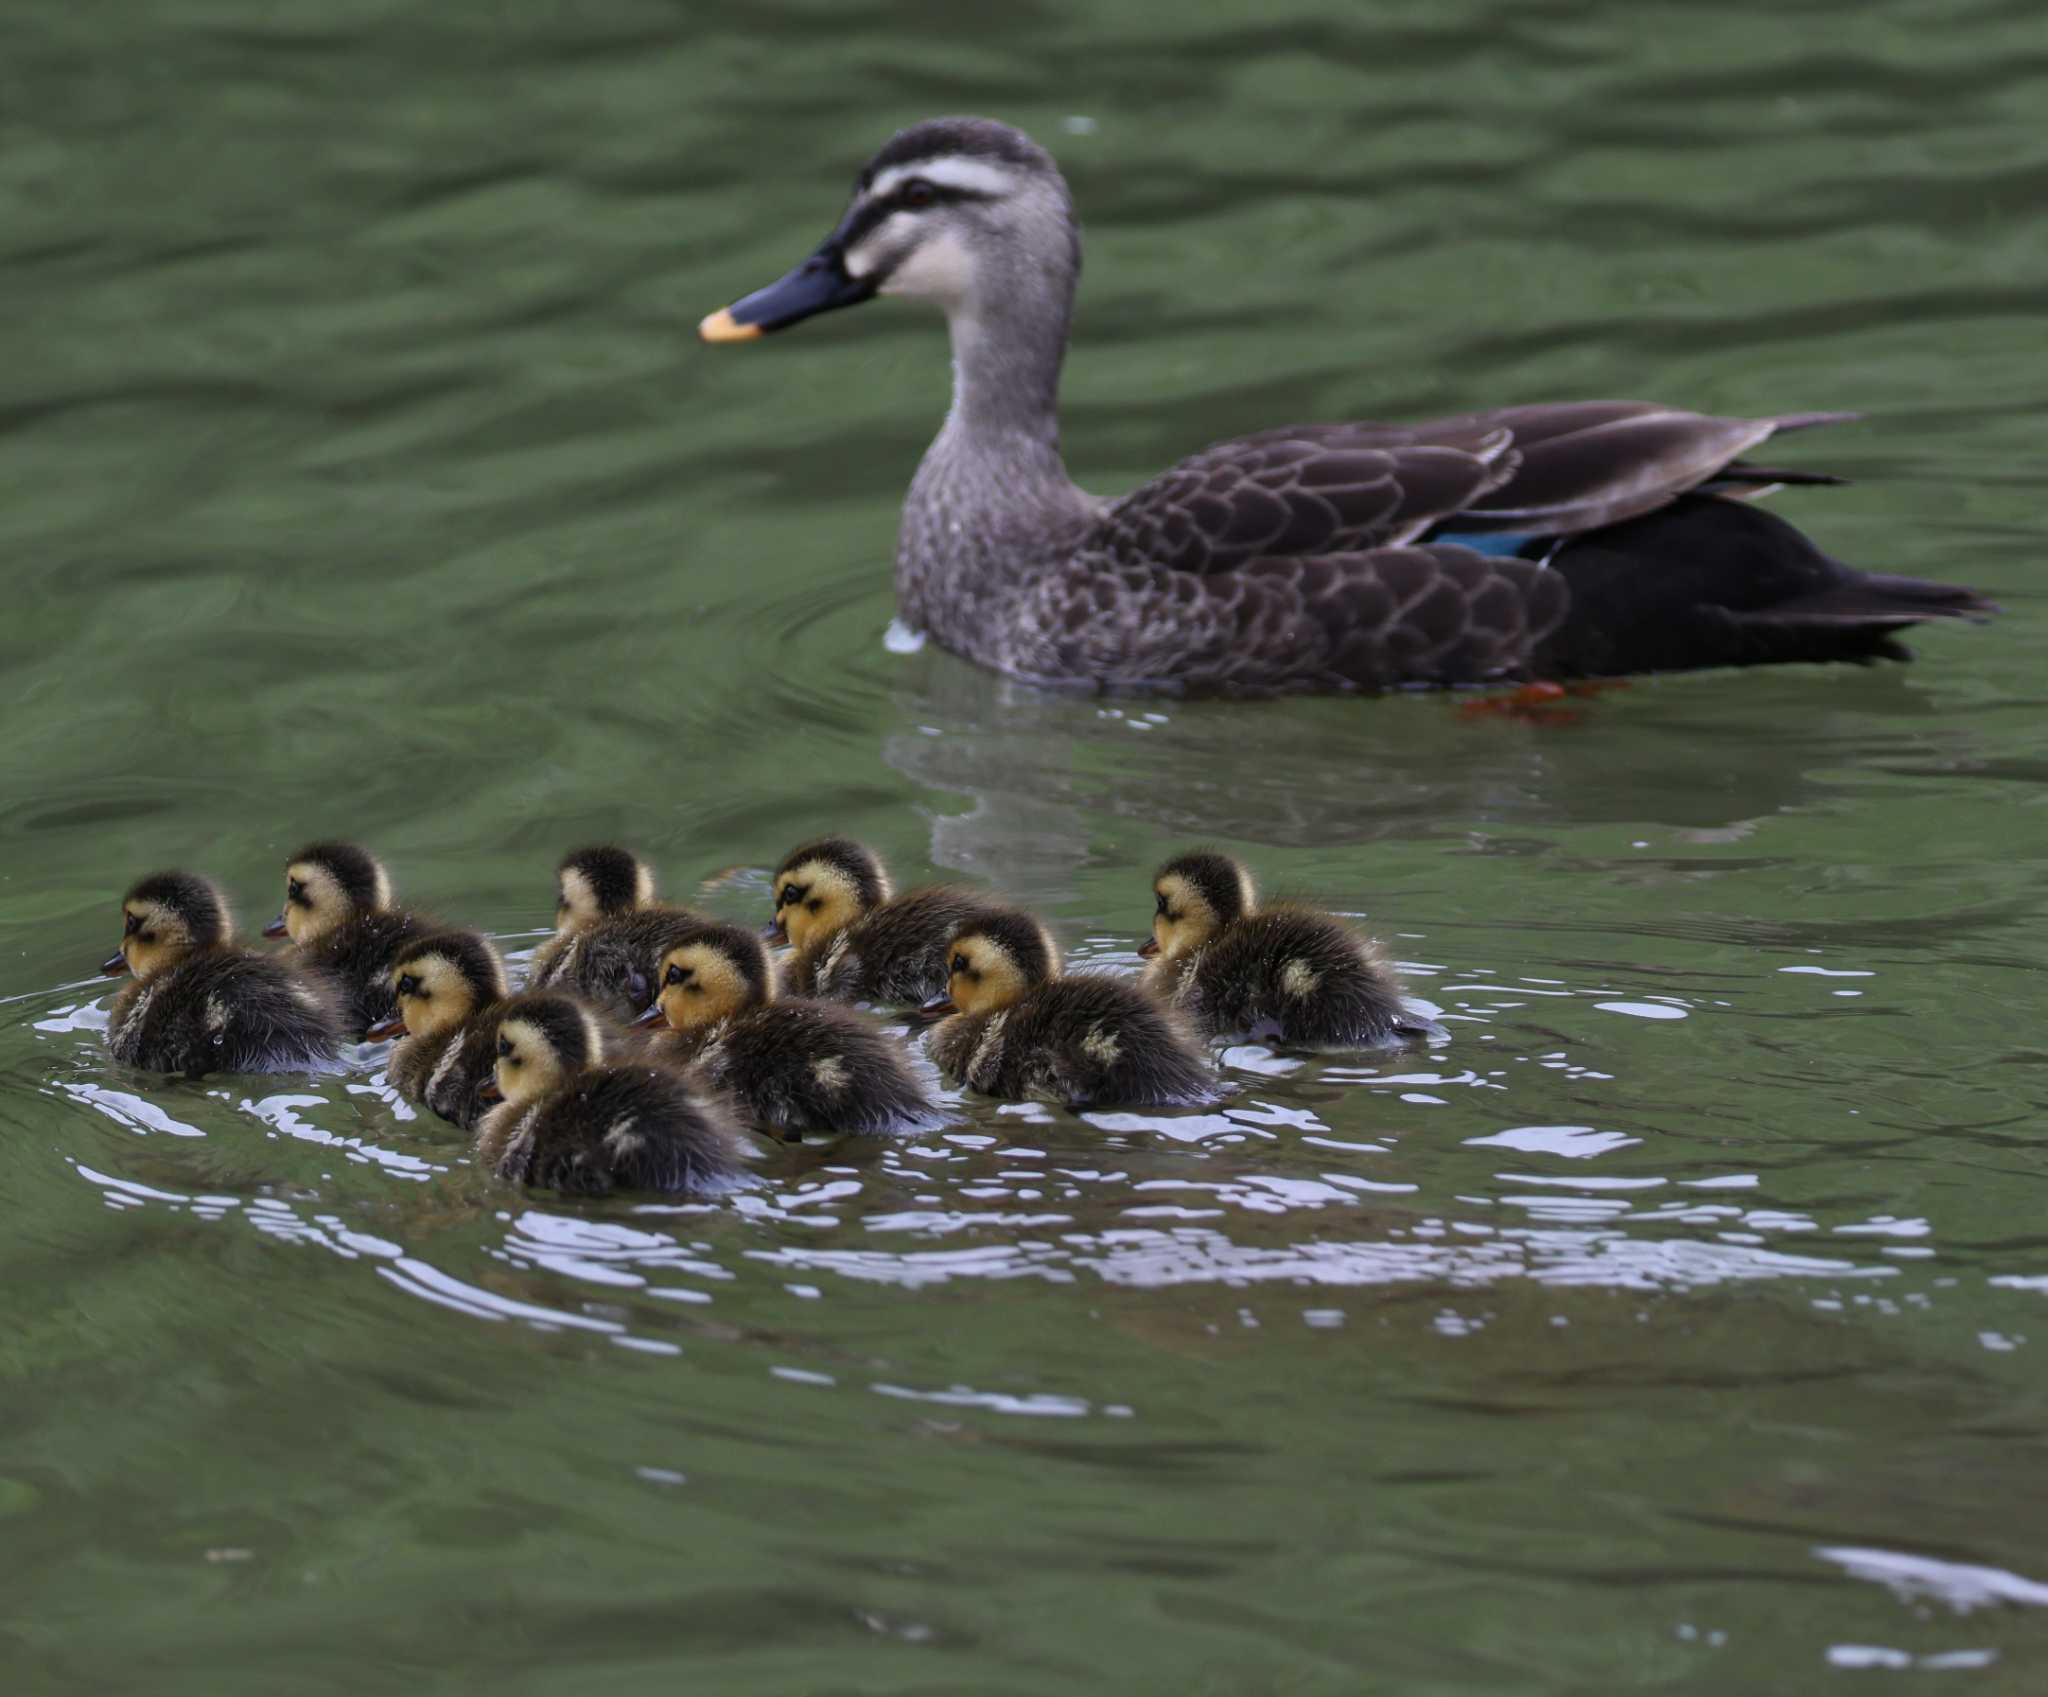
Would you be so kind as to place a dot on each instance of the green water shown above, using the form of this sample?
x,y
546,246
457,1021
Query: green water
x,y
1677,1327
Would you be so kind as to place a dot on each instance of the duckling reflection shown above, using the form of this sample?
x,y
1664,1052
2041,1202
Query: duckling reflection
x,y
200,1004
340,917
592,885
794,1064
852,939
566,1120
1013,1027
1286,974
449,988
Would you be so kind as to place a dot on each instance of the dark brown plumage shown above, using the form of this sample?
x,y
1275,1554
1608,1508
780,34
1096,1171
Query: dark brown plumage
x,y
613,965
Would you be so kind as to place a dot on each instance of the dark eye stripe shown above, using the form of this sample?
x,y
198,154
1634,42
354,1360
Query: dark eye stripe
x,y
863,219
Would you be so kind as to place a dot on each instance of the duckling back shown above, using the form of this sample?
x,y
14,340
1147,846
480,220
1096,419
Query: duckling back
x,y
358,955
894,955
227,1010
1088,1041
1291,975
800,1065
613,964
614,1128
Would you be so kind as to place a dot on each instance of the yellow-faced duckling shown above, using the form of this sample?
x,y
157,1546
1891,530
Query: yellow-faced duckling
x,y
339,915
592,885
568,1121
199,1004
795,1064
1287,974
1015,1028
851,938
449,988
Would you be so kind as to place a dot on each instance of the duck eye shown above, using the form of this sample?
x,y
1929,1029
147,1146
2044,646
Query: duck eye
x,y
674,975
1164,909
917,194
791,895
408,985
959,963
504,1048
130,924
295,888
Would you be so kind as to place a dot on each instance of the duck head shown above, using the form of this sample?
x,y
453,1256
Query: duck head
x,y
440,981
544,1040
1194,896
164,918
325,886
992,963
600,882
710,974
821,888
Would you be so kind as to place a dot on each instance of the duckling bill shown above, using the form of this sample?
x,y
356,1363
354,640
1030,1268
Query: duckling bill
x,y
197,1003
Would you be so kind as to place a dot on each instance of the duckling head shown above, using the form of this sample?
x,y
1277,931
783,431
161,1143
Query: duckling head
x,y
440,981
1194,896
993,962
325,886
544,1040
710,974
600,882
964,213
823,887
164,918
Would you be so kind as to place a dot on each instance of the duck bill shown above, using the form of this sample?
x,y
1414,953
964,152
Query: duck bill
x,y
820,284
649,1020
938,1008
385,1029
775,933
1148,949
115,965
276,928
488,1091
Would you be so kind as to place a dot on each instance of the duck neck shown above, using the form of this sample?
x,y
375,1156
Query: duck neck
x,y
1006,383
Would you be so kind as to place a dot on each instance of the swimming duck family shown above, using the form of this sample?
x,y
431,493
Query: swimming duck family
x,y
1548,541
199,1004
791,1063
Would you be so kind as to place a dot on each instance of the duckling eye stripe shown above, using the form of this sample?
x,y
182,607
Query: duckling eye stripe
x,y
974,176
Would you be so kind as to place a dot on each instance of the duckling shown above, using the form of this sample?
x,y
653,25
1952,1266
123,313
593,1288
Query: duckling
x,y
448,988
852,939
1015,1028
796,1065
616,964
339,916
200,1004
1286,973
568,1121
592,885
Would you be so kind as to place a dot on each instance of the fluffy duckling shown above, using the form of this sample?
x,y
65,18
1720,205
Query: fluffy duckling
x,y
796,1065
568,1121
615,966
448,989
1015,1028
1289,974
339,916
592,885
852,938
199,1004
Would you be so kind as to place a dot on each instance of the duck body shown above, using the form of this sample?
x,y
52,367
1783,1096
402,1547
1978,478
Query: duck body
x,y
798,1065
1087,1042
894,956
612,965
614,1128
448,1071
1322,557
226,1010
1291,976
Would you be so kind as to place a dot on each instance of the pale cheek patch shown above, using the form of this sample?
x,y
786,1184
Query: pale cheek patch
x,y
867,255
939,270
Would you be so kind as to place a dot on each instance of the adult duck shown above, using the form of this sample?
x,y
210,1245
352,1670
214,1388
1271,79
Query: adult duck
x,y
1577,539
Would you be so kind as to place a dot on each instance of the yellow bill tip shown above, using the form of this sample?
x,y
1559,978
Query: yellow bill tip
x,y
721,326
